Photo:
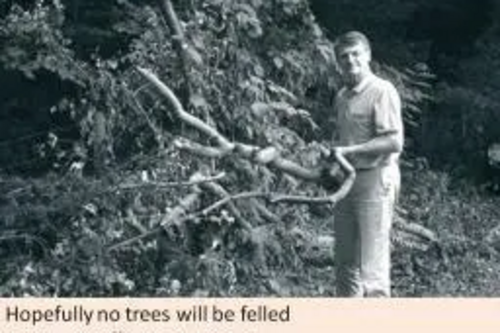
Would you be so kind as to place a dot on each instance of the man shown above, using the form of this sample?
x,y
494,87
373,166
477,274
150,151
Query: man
x,y
370,136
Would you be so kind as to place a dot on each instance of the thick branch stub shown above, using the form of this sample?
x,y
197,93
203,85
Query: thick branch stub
x,y
199,150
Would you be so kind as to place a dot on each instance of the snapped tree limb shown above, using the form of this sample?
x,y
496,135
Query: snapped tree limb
x,y
219,176
191,120
268,156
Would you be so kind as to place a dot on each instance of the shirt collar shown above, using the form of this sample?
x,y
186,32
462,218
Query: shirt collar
x,y
363,84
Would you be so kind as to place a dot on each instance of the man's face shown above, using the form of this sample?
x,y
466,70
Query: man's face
x,y
354,60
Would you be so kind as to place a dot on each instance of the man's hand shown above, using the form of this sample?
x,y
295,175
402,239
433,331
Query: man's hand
x,y
332,151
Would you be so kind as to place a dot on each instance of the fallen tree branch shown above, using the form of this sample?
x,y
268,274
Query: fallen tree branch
x,y
228,199
199,150
267,156
191,120
179,215
174,184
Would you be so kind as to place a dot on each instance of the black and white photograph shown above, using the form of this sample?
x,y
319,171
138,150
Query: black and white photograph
x,y
249,148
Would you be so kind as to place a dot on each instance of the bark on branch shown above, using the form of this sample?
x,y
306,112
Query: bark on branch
x,y
187,54
174,184
191,120
170,16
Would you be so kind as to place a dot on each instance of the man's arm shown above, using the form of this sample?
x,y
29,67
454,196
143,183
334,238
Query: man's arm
x,y
384,144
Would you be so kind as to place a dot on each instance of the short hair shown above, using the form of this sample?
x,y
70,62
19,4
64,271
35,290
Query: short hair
x,y
351,38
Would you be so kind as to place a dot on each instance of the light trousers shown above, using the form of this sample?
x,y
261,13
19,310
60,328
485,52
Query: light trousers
x,y
363,222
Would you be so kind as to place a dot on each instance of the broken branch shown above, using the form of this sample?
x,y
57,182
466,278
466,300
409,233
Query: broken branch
x,y
183,115
175,184
267,156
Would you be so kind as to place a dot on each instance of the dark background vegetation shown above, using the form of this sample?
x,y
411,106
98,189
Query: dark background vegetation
x,y
85,144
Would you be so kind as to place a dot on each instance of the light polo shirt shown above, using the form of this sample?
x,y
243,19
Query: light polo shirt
x,y
370,109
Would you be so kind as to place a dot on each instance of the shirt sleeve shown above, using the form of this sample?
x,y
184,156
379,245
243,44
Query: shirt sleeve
x,y
387,113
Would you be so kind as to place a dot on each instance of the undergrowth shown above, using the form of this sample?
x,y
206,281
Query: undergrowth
x,y
465,260
58,232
